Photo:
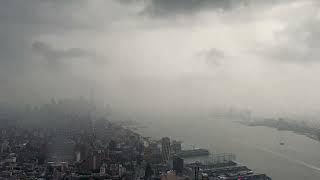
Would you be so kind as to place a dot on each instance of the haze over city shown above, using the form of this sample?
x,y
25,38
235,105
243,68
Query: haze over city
x,y
163,54
160,89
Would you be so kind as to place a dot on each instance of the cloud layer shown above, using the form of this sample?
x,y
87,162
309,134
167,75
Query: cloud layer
x,y
163,53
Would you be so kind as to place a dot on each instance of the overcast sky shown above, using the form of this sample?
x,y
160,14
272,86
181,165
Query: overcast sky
x,y
163,54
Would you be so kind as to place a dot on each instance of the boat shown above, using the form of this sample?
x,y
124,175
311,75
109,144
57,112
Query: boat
x,y
281,143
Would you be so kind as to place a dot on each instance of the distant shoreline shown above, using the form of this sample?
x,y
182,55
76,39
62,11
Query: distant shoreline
x,y
284,125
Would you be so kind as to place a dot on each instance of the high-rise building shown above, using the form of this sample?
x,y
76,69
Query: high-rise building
x,y
176,147
155,148
95,159
165,142
4,146
148,172
152,153
177,164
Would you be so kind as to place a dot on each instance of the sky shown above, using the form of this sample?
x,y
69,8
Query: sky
x,y
158,55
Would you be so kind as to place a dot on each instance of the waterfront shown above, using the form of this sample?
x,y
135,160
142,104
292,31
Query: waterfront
x,y
256,147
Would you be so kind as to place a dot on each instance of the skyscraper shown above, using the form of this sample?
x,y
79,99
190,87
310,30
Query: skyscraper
x,y
165,149
177,164
176,147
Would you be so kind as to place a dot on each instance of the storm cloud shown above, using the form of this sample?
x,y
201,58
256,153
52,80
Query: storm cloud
x,y
169,7
163,54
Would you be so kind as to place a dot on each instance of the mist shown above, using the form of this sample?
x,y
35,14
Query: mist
x,y
163,56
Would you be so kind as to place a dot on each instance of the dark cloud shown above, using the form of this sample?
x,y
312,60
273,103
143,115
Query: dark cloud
x,y
187,7
168,8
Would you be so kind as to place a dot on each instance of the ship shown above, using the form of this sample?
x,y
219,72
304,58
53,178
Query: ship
x,y
194,152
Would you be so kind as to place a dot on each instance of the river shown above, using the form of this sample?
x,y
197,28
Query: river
x,y
257,147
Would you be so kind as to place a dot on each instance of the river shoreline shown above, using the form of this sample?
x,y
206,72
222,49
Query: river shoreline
x,y
299,128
